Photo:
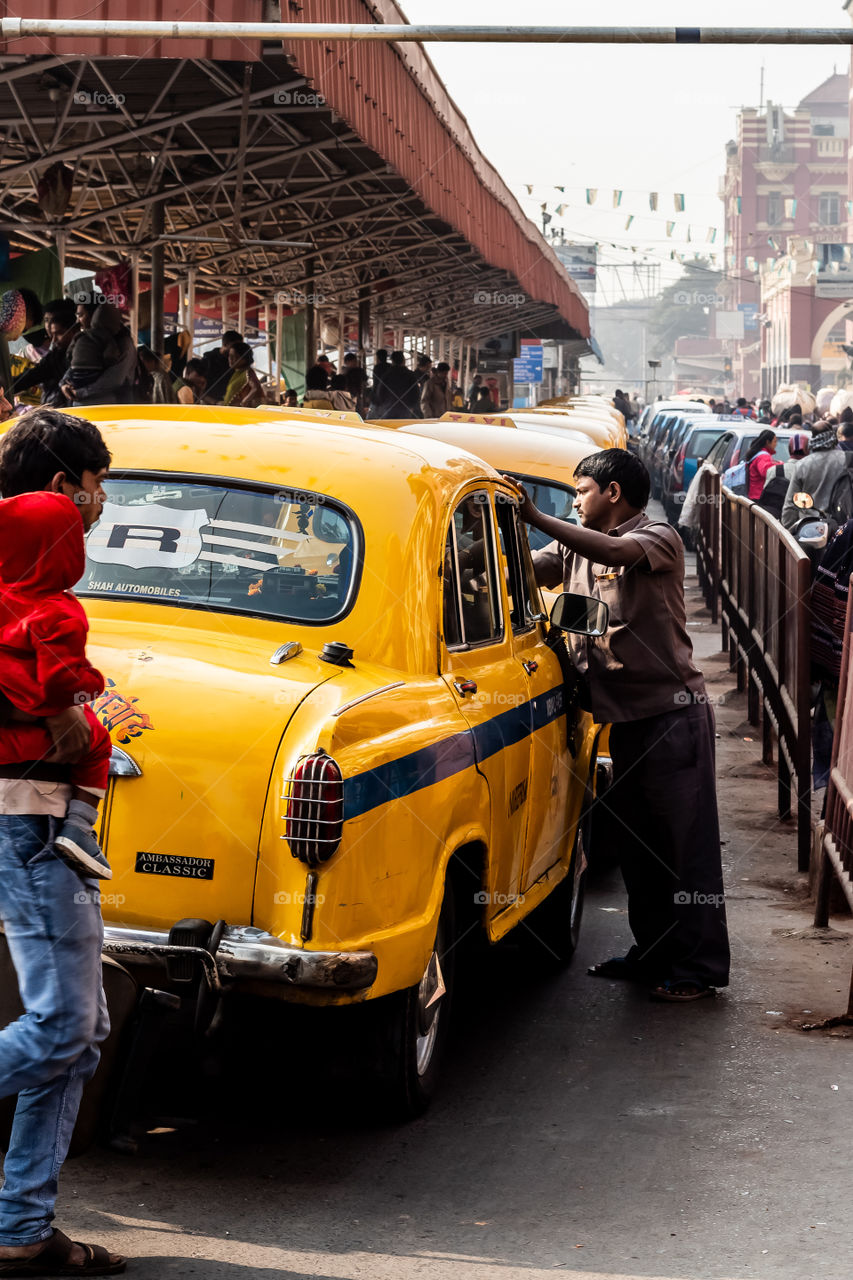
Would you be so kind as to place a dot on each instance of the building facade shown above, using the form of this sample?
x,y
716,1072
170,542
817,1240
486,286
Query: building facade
x,y
786,182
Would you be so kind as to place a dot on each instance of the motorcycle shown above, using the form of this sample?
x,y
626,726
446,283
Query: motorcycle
x,y
813,530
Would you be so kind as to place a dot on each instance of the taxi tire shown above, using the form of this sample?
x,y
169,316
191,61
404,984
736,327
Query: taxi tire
x,y
406,1091
552,931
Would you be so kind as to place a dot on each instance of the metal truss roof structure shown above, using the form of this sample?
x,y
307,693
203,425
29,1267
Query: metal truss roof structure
x,y
245,178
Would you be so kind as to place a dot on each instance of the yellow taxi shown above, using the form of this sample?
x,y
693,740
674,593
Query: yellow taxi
x,y
602,432
344,733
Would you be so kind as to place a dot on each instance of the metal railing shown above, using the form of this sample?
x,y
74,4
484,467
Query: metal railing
x,y
835,835
707,540
762,579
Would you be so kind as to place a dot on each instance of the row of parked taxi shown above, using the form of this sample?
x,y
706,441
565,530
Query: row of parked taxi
x,y
338,750
674,437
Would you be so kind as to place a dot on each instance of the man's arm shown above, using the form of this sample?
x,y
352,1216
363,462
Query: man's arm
x,y
790,513
588,543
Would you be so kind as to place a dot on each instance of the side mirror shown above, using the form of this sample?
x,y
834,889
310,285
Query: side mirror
x,y
584,615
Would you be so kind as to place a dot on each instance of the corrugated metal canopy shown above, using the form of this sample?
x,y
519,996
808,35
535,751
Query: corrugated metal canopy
x,y
357,156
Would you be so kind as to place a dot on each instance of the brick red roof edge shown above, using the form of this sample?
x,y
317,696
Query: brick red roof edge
x,y
393,98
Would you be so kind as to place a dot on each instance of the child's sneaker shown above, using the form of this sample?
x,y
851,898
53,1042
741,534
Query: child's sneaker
x,y
77,844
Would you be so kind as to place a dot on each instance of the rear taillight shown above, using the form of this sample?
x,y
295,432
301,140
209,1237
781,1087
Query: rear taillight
x,y
314,817
679,463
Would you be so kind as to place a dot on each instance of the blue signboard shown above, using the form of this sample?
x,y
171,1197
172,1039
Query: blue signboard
x,y
528,367
750,315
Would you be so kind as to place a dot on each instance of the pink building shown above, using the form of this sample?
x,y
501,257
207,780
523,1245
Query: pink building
x,y
786,176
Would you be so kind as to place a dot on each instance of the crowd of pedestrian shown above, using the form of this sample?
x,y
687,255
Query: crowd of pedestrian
x,y
86,356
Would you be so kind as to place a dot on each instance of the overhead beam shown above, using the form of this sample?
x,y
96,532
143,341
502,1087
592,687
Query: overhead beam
x,y
23,28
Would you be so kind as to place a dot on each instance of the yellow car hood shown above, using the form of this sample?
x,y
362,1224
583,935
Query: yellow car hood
x,y
202,713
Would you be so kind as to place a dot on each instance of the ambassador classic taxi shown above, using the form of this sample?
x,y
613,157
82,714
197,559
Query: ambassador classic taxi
x,y
341,737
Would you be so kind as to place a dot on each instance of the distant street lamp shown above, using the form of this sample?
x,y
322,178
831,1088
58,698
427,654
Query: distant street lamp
x,y
653,364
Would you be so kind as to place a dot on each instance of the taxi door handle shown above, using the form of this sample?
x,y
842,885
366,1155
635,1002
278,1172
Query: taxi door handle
x,y
465,686
530,666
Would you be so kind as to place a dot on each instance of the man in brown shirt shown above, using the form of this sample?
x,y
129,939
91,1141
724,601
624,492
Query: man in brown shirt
x,y
640,677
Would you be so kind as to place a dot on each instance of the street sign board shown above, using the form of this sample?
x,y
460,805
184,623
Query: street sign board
x,y
528,367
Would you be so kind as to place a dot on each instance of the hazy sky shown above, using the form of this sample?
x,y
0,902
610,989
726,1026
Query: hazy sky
x,y
641,118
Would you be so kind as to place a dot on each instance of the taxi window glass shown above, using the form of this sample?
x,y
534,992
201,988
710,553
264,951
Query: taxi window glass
x,y
700,442
552,499
523,607
282,554
470,580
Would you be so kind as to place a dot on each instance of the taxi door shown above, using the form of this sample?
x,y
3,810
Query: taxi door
x,y
489,685
556,790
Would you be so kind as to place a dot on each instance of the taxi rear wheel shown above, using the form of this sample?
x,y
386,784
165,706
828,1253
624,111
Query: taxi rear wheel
x,y
552,931
414,1028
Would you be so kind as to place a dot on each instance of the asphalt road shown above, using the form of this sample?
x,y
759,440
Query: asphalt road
x,y
581,1131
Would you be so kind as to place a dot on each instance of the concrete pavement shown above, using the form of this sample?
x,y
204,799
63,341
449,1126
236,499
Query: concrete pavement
x,y
582,1131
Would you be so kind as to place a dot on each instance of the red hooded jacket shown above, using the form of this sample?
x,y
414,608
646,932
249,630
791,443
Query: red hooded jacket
x,y
43,626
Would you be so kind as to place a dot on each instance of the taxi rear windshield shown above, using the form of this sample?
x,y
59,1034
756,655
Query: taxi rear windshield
x,y
281,554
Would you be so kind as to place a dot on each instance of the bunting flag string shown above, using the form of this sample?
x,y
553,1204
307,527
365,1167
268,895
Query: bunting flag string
x,y
678,199
670,227
628,221
653,201
790,207
617,199
591,193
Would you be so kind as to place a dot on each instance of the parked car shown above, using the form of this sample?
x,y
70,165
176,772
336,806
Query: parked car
x,y
689,446
729,449
601,434
656,434
344,735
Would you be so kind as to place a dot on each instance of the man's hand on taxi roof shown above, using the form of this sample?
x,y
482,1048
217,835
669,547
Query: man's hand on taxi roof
x,y
600,547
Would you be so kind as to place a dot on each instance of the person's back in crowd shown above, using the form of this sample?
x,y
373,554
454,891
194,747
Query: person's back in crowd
x,y
339,394
816,474
470,398
356,381
378,393
622,405
743,409
402,390
435,392
318,376
103,361
483,402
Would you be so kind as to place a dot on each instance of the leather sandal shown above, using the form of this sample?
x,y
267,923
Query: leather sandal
x,y
53,1260
619,967
681,992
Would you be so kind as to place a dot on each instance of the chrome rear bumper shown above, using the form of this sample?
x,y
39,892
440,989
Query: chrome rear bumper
x,y
245,954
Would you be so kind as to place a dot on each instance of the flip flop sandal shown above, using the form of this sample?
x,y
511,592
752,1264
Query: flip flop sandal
x,y
53,1261
681,992
619,967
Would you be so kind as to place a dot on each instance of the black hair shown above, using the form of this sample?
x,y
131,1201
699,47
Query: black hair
x,y
398,357
195,366
443,367
338,382
43,442
845,429
741,401
241,350
62,310
795,420
760,442
229,337
381,355
145,353
617,466
351,355
847,414
424,360
84,300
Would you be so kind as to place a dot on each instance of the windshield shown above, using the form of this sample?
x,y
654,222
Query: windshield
x,y
281,554
552,499
700,442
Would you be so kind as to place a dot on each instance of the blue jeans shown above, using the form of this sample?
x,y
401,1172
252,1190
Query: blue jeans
x,y
52,921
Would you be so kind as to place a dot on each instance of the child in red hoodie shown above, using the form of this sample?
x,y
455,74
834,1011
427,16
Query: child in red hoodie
x,y
43,664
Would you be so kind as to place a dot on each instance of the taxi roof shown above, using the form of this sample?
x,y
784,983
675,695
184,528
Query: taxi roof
x,y
272,445
508,449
